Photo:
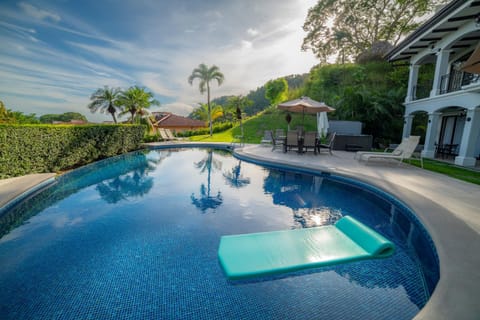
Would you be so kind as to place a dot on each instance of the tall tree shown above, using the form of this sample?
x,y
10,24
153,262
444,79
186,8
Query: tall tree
x,y
105,99
136,101
348,28
276,91
205,74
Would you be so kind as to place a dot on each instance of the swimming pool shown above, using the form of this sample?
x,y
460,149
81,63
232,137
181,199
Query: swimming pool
x,y
136,237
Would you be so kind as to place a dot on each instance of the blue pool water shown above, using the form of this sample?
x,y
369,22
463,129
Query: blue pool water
x,y
136,237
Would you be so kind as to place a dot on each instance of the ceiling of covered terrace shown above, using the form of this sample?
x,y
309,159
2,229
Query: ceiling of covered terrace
x,y
447,20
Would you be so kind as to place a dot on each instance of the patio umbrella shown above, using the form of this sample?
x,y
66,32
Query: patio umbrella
x,y
472,65
305,105
322,124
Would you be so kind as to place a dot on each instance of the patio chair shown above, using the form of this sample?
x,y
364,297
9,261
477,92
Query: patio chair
x,y
280,141
329,144
300,130
310,141
267,137
405,152
292,140
280,134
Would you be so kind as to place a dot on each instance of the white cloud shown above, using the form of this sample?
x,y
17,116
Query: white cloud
x,y
38,13
160,55
179,108
245,45
156,83
252,32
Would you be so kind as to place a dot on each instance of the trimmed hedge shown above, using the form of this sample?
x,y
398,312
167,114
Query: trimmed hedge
x,y
28,149
218,127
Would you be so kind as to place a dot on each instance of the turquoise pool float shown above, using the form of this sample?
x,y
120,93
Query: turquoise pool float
x,y
258,254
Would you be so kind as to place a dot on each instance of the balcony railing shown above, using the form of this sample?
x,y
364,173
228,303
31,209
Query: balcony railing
x,y
450,82
455,80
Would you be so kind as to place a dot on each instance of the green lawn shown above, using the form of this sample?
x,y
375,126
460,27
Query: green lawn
x,y
254,127
448,169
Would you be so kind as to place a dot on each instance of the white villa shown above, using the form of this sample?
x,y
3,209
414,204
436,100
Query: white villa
x,y
451,96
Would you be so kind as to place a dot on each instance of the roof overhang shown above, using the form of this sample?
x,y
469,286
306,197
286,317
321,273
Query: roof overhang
x,y
447,20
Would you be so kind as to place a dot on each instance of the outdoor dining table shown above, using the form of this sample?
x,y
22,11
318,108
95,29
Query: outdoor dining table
x,y
300,141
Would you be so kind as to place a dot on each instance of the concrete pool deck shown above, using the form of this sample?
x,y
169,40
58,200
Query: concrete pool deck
x,y
448,208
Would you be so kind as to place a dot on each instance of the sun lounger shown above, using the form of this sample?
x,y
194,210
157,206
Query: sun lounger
x,y
170,134
163,134
404,151
396,151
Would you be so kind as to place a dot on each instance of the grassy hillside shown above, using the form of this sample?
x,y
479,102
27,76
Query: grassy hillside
x,y
253,127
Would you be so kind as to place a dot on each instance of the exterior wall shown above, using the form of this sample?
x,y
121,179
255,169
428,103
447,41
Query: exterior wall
x,y
465,100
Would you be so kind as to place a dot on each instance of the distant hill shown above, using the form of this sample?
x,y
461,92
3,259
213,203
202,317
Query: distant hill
x,y
260,103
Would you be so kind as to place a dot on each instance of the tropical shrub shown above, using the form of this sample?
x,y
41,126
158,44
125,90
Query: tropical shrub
x,y
26,149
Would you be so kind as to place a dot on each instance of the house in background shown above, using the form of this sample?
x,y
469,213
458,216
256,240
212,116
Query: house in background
x,y
168,120
451,98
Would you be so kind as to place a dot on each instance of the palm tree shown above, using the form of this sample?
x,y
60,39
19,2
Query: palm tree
x,y
105,99
207,200
136,101
235,178
205,75
201,113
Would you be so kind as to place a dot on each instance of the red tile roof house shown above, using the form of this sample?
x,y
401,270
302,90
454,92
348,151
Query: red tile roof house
x,y
176,123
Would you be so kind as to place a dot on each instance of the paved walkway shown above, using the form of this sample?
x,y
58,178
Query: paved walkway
x,y
15,187
448,208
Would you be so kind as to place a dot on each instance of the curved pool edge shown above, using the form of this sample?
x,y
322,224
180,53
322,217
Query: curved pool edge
x,y
457,291
15,190
456,294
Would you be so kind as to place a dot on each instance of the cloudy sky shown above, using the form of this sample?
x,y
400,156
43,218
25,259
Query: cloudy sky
x,y
55,53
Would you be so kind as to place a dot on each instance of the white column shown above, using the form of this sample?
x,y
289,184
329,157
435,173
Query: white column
x,y
466,156
441,68
431,136
407,125
412,82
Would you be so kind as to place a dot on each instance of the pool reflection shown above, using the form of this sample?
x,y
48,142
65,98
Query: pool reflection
x,y
206,201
